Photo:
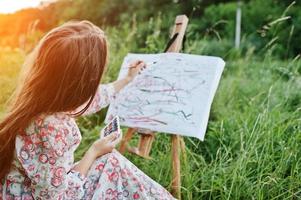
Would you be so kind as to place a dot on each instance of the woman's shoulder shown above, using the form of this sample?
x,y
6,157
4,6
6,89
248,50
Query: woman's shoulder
x,y
59,118
52,121
47,138
56,131
55,125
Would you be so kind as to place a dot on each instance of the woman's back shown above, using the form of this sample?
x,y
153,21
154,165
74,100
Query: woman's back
x,y
44,152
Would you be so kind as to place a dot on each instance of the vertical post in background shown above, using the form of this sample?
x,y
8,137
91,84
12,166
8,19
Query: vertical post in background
x,y
238,25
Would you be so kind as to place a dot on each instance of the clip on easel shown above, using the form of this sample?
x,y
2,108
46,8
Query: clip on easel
x,y
147,136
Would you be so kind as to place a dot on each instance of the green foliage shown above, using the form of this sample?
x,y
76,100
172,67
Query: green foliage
x,y
251,147
267,26
219,19
10,65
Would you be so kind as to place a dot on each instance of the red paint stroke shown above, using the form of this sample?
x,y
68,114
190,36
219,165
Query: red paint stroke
x,y
147,119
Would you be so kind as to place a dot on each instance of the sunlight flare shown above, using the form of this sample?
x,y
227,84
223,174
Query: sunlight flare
x,y
11,6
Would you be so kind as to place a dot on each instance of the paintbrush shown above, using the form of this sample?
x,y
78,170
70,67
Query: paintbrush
x,y
147,64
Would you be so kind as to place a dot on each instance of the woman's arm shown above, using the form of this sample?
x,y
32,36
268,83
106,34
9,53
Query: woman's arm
x,y
106,145
106,92
119,84
134,69
98,148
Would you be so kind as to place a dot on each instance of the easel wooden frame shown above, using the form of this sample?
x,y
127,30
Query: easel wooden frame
x,y
177,141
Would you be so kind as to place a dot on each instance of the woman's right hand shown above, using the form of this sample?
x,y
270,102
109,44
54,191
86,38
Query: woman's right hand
x,y
134,69
98,148
103,146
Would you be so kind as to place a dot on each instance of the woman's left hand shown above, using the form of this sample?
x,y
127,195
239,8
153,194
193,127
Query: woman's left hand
x,y
135,68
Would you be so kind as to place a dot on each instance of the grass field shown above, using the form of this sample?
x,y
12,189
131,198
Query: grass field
x,y
252,146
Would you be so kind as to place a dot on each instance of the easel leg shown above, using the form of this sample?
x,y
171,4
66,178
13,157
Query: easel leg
x,y
183,150
123,145
176,167
145,144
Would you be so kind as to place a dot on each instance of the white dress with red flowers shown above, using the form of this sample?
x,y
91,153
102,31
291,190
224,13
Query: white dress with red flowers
x,y
42,168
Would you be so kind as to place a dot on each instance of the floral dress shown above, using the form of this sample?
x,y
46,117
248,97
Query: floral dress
x,y
43,164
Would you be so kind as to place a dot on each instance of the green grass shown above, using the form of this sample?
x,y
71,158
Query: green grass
x,y
10,65
252,146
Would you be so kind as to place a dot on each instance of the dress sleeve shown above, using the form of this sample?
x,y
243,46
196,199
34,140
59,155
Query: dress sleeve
x,y
103,97
47,160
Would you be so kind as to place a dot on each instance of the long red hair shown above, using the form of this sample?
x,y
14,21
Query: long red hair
x,y
63,73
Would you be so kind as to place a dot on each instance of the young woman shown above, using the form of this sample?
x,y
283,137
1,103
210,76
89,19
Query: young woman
x,y
39,135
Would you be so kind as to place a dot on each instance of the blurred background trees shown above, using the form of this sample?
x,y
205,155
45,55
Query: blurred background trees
x,y
267,25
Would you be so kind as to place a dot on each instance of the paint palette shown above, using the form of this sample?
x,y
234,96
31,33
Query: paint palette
x,y
111,127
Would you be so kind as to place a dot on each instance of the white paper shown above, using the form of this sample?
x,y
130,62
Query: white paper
x,y
172,95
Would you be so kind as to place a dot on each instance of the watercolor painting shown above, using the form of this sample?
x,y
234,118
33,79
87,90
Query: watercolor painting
x,y
173,95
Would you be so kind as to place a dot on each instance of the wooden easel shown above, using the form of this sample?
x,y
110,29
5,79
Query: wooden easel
x,y
146,139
